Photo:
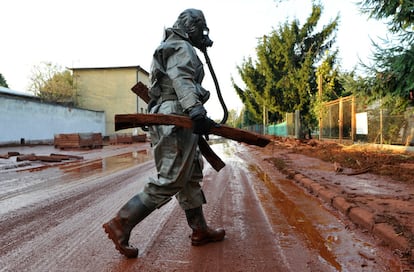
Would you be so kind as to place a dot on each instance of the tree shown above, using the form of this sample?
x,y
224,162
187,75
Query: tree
x,y
283,77
3,81
251,96
394,62
234,120
399,13
53,84
330,75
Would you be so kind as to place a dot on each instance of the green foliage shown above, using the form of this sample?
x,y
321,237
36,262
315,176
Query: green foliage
x,y
233,119
394,61
395,70
252,79
329,83
53,84
369,90
400,13
330,76
283,77
3,81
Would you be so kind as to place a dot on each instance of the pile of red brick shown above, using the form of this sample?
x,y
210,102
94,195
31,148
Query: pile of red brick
x,y
78,140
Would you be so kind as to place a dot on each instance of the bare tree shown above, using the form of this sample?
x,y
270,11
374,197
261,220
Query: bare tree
x,y
52,83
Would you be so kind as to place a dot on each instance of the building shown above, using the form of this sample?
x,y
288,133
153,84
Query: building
x,y
24,118
108,89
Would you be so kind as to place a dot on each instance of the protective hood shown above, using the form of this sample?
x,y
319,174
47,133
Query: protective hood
x,y
192,25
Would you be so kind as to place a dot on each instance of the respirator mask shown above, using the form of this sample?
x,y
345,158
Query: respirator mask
x,y
199,37
192,21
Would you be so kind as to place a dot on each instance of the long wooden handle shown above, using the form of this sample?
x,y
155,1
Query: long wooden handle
x,y
124,121
215,161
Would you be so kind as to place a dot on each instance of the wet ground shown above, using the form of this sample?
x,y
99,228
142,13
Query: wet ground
x,y
378,180
51,217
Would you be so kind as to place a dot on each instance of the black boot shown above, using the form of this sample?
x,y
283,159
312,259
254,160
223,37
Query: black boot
x,y
119,228
202,234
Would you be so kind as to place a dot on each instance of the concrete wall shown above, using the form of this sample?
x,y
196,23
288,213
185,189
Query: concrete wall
x,y
109,89
34,121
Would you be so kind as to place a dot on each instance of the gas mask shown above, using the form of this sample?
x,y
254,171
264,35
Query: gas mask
x,y
192,21
204,41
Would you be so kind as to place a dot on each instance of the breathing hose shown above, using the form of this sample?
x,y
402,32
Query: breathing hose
x,y
213,75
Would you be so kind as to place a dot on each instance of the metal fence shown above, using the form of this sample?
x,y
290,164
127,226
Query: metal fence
x,y
337,120
349,120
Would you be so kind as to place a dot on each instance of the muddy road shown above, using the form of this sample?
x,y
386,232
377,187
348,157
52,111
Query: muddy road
x,y
51,218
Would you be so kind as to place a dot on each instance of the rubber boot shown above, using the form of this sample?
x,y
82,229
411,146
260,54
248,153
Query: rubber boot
x,y
119,228
202,234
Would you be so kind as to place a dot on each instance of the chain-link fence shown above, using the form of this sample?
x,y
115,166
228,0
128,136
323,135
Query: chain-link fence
x,y
336,119
349,120
387,128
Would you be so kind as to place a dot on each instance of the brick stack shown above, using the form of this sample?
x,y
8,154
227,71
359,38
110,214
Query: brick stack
x,y
78,140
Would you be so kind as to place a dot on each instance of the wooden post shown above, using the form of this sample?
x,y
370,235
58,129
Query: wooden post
x,y
353,119
297,124
321,109
381,138
264,119
341,119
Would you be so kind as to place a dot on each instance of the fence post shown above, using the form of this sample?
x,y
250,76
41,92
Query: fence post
x,y
320,125
353,119
264,119
341,119
297,124
320,111
381,139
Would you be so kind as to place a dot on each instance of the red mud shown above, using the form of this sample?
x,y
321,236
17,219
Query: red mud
x,y
51,214
380,182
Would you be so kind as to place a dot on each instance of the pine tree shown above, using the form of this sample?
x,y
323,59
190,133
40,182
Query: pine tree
x,y
283,77
394,61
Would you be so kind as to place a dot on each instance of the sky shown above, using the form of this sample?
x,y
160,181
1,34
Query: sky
x,y
106,33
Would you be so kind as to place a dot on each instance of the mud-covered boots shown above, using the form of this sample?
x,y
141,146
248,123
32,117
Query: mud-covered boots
x,y
119,228
202,234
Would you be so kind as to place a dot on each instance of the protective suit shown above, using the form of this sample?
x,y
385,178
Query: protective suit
x,y
176,76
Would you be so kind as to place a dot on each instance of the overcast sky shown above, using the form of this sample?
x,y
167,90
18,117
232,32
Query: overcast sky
x,y
103,33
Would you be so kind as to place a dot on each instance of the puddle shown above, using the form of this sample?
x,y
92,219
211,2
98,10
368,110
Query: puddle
x,y
108,164
298,219
321,230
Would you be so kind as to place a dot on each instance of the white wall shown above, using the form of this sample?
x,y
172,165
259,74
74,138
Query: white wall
x,y
32,120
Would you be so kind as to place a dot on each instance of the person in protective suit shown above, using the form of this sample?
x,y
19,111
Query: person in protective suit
x,y
176,76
